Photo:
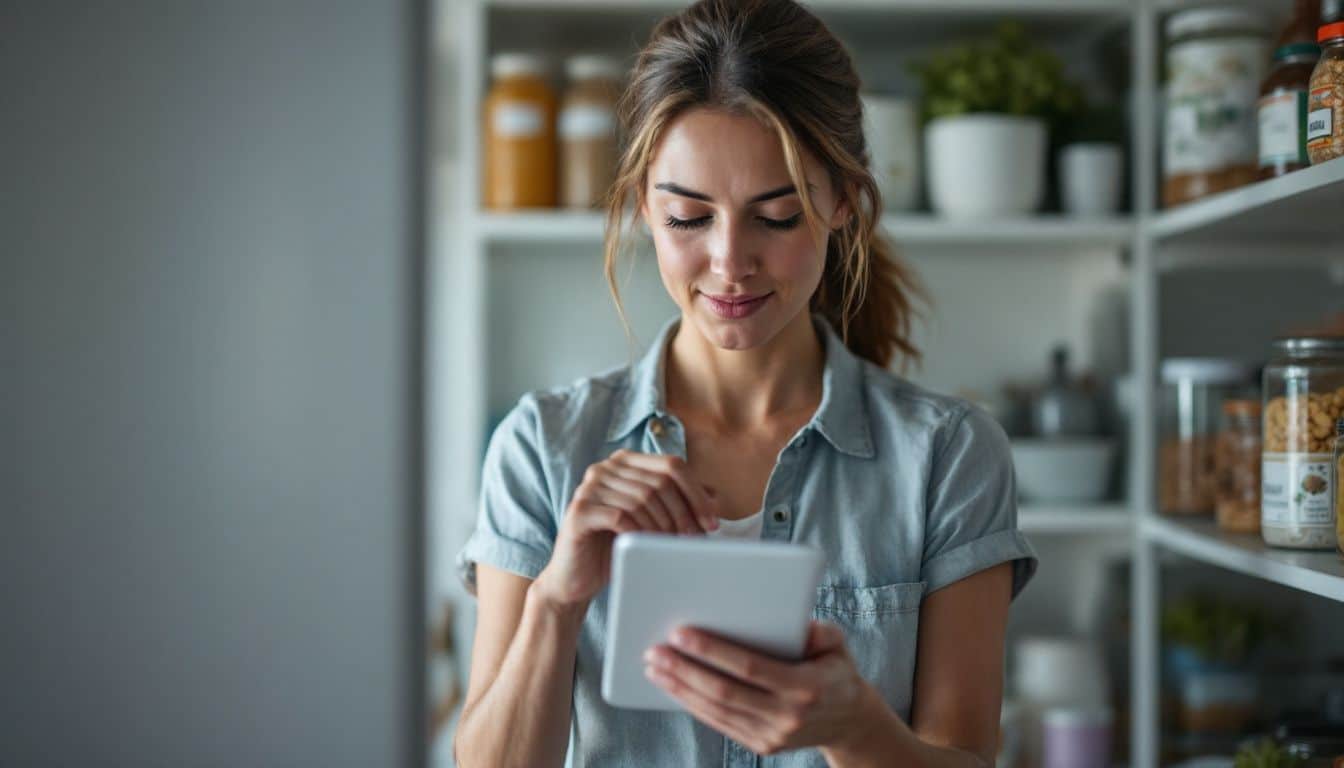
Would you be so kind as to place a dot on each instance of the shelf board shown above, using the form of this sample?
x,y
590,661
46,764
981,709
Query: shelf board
x,y
1320,573
1054,7
905,229
1302,206
1074,519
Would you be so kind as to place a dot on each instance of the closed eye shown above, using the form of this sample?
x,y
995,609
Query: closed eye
x,y
781,224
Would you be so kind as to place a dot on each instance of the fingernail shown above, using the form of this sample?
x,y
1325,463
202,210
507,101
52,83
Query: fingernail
x,y
711,523
680,637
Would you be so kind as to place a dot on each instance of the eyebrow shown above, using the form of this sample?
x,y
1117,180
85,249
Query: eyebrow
x,y
677,189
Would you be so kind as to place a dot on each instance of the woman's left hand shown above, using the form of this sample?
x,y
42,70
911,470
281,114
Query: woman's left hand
x,y
763,703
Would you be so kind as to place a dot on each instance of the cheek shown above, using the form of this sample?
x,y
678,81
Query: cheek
x,y
799,258
678,262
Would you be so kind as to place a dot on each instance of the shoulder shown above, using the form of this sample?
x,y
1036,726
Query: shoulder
x,y
568,413
909,413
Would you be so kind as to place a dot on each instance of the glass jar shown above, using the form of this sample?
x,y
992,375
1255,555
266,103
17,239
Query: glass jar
x,y
1325,106
1304,399
1237,463
1339,486
519,135
1193,391
1216,58
588,148
1283,110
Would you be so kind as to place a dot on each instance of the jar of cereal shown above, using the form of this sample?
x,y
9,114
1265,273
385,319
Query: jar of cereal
x,y
1303,400
1237,463
1191,411
1325,103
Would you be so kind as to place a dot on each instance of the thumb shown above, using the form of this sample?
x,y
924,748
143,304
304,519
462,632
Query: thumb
x,y
823,636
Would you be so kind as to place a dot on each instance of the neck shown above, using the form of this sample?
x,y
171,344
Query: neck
x,y
749,387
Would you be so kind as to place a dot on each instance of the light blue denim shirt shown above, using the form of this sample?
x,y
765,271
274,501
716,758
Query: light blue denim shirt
x,y
905,492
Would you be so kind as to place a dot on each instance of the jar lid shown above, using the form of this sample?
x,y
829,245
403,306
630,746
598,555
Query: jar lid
x,y
515,63
1213,20
1245,408
1206,370
1297,51
1330,32
1306,344
590,66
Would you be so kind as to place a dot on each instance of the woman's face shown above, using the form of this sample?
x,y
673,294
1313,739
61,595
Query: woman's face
x,y
734,248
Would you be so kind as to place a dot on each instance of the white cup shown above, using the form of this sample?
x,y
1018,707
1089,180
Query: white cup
x,y
1090,176
891,127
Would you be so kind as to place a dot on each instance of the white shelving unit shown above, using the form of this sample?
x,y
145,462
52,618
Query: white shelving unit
x,y
1296,221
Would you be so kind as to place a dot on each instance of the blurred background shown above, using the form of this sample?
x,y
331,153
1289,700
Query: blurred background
x,y
273,271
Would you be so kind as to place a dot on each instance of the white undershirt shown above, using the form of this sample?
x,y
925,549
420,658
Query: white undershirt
x,y
746,528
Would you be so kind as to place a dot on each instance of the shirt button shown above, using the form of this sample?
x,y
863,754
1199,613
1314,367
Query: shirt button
x,y
656,427
802,441
781,514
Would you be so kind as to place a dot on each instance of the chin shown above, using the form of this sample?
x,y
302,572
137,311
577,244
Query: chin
x,y
735,334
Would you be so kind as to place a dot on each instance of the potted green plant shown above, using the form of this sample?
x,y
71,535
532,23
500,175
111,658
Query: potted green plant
x,y
989,105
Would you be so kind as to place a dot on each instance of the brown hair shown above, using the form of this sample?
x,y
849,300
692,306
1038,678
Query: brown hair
x,y
775,60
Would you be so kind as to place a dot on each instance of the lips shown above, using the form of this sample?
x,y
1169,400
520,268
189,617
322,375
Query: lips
x,y
736,306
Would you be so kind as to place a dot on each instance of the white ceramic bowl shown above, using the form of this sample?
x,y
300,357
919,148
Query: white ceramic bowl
x,y
1064,469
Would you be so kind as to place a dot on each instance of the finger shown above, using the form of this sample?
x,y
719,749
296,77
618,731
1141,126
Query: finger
x,y
637,511
596,510
604,518
703,506
741,662
637,496
737,723
823,637
707,681
665,492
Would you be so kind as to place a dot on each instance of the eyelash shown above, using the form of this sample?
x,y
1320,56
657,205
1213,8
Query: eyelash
x,y
779,224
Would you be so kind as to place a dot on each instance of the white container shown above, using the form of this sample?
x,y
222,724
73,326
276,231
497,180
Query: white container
x,y
1054,672
1076,737
891,127
1063,469
1090,178
985,166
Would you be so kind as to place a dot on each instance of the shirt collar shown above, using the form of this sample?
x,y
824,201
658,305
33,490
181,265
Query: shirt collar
x,y
842,417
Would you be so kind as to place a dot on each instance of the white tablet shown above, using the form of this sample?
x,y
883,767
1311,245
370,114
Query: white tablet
x,y
757,593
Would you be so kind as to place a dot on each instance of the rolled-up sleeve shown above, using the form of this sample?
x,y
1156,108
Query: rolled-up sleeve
x,y
972,505
515,525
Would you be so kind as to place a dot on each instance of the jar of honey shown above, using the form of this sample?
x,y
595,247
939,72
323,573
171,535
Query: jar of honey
x,y
519,134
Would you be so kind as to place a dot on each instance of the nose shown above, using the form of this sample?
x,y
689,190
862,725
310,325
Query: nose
x,y
732,257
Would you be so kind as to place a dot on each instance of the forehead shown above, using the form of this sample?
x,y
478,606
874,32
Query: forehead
x,y
725,155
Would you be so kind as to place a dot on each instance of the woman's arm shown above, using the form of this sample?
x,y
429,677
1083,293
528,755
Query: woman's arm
x,y
954,722
522,676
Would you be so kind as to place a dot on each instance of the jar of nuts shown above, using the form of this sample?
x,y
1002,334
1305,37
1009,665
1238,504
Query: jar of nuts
x,y
1193,391
1237,463
1325,99
1303,399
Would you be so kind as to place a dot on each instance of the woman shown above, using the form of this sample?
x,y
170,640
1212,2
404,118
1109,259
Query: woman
x,y
765,410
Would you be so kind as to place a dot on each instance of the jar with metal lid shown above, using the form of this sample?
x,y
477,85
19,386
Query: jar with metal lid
x,y
519,133
1191,403
1283,110
1325,105
1237,463
1303,400
588,148
1216,58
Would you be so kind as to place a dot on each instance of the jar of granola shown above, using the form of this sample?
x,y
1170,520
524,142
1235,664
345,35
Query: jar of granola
x,y
1191,408
1339,484
1303,400
1325,104
1237,465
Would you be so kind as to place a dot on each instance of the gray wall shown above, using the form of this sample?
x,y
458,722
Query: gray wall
x,y
209,375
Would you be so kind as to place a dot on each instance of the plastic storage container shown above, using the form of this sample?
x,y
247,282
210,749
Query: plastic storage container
x,y
1325,106
588,145
519,134
1193,391
1237,462
1303,401
1216,58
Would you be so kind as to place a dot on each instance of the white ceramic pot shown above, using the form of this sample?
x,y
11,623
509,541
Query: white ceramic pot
x,y
1063,469
891,127
1090,177
985,166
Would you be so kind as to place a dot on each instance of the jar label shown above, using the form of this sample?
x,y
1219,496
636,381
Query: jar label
x,y
1212,96
586,121
1296,490
1320,120
517,120
1282,119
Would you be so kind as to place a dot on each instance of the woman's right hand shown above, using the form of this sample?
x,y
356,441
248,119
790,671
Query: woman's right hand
x,y
627,492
